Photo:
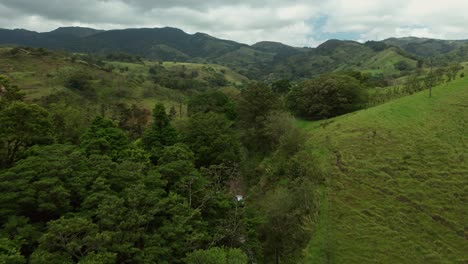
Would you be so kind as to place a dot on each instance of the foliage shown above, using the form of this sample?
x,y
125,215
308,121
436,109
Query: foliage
x,y
281,86
21,126
217,256
97,198
256,103
159,134
104,138
10,252
402,65
80,81
8,92
211,137
326,96
261,61
376,45
283,209
132,119
212,101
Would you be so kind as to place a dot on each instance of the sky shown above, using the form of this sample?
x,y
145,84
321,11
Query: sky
x,y
295,22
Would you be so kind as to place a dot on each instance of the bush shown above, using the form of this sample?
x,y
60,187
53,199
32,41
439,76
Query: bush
x,y
402,65
326,96
217,256
78,81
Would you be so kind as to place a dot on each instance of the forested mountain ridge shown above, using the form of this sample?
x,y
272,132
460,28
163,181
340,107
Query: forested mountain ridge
x,y
263,60
426,47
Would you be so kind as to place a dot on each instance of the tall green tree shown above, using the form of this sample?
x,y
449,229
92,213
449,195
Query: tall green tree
x,y
103,137
212,138
21,126
257,101
281,86
71,240
10,252
177,167
8,92
50,182
159,134
212,101
326,96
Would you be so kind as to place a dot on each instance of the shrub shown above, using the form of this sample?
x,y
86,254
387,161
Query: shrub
x,y
326,96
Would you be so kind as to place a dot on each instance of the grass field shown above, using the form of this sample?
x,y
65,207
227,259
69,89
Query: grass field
x,y
398,187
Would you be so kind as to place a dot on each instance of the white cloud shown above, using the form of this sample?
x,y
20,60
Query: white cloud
x,y
249,21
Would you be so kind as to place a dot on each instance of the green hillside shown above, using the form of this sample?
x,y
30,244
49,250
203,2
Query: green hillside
x,y
397,190
336,55
424,46
41,73
262,61
384,62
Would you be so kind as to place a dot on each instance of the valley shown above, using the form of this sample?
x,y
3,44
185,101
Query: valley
x,y
133,146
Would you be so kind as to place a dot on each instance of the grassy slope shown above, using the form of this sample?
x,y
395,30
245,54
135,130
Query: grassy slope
x,y
205,70
384,62
398,190
40,76
171,97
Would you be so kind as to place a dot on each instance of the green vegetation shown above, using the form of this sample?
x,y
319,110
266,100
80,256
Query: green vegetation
x,y
217,256
114,158
326,96
398,176
115,187
262,61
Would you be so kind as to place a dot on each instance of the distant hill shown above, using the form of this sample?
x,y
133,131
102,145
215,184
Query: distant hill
x,y
337,55
424,46
277,48
263,60
75,31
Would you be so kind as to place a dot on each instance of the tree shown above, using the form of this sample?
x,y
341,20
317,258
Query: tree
x,y
48,183
103,137
80,81
281,86
176,166
326,96
9,93
402,65
283,210
132,119
10,252
453,71
256,103
22,126
72,238
172,112
211,137
212,101
283,133
159,134
68,122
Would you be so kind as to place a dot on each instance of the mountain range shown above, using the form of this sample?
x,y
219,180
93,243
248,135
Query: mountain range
x,y
262,60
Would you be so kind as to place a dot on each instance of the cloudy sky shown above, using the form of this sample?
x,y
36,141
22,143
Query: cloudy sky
x,y
294,22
